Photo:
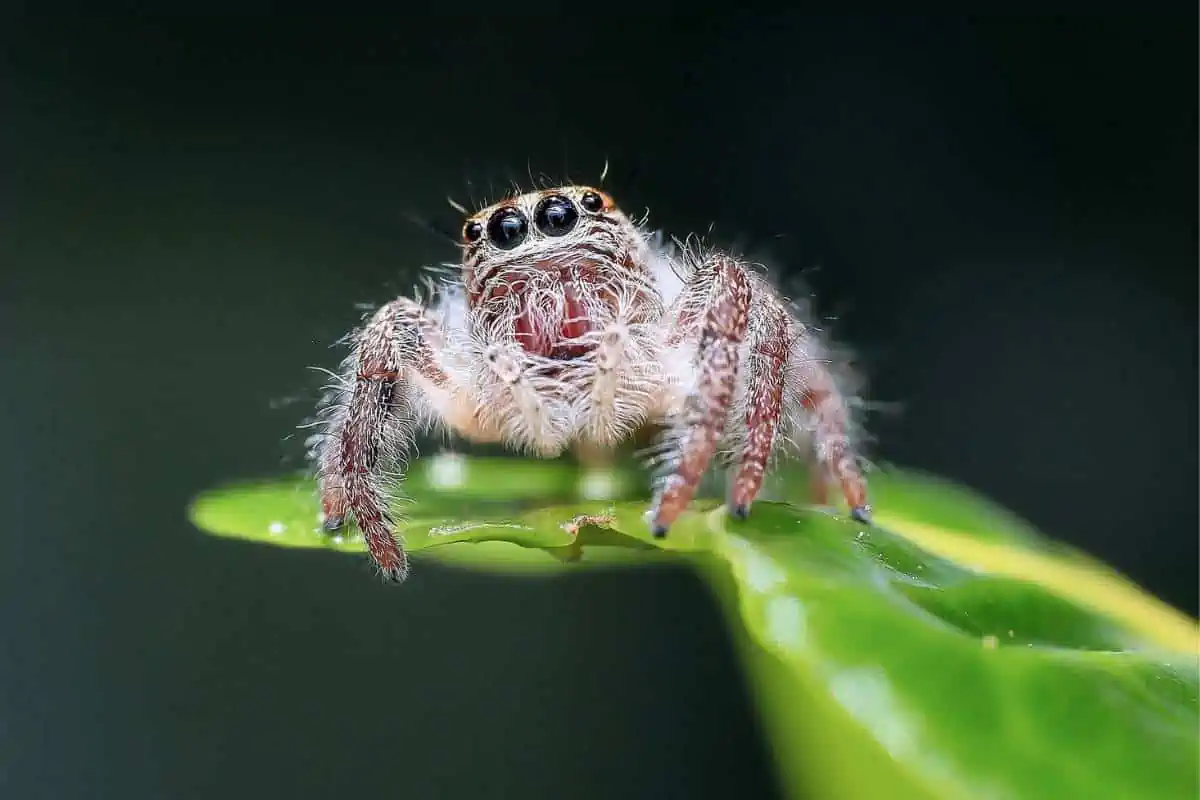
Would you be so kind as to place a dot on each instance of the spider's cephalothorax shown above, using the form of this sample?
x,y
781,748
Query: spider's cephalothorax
x,y
570,325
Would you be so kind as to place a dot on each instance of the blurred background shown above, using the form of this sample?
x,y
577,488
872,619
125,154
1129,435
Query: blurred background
x,y
999,213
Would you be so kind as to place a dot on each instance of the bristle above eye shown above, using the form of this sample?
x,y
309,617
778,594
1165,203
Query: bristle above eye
x,y
440,228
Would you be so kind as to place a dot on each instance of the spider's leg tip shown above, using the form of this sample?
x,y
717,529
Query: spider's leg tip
x,y
861,514
658,530
395,575
740,511
332,524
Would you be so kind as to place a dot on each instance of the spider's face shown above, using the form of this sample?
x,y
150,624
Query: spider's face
x,y
559,230
548,267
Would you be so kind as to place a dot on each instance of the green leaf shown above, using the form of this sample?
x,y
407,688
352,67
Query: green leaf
x,y
950,650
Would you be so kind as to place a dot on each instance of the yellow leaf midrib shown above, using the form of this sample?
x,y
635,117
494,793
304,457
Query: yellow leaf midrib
x,y
1089,586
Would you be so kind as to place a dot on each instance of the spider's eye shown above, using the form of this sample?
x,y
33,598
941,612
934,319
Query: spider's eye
x,y
555,216
507,228
592,202
472,231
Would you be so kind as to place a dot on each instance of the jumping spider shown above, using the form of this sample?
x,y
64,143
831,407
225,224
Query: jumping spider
x,y
569,324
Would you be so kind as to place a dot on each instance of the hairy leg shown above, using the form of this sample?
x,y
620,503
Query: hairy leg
x,y
764,372
372,427
623,381
726,292
789,383
834,460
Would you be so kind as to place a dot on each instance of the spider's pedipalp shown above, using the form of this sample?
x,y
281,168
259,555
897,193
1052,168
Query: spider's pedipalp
x,y
621,372
520,401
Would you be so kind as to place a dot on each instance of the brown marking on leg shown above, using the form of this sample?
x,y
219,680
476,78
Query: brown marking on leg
x,y
381,375
685,322
333,503
373,421
765,371
835,458
728,290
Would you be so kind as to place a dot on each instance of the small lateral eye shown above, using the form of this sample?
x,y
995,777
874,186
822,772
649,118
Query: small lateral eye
x,y
555,215
507,228
592,202
472,231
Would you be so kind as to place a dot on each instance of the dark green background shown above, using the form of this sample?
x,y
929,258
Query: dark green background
x,y
1002,213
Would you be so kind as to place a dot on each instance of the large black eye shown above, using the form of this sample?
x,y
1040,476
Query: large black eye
x,y
507,228
472,231
592,201
555,216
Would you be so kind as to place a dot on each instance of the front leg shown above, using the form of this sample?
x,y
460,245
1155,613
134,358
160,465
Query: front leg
x,y
371,426
727,292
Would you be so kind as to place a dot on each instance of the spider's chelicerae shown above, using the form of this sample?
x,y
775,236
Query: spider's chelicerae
x,y
569,324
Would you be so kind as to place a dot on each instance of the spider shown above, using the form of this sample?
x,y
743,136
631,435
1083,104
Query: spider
x,y
569,324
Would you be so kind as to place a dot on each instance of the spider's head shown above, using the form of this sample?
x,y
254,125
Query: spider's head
x,y
542,226
547,258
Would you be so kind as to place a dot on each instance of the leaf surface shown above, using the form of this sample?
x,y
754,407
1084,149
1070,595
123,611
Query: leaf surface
x,y
949,650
